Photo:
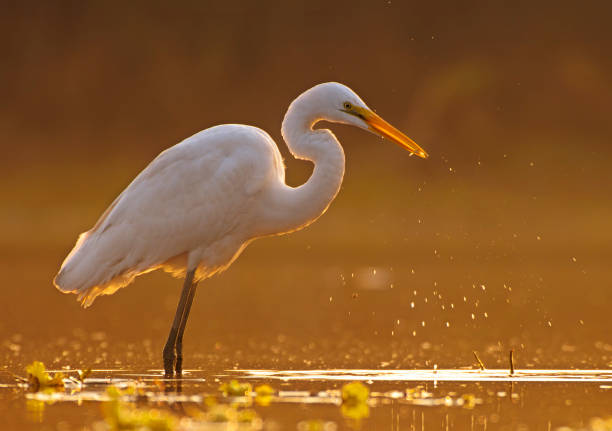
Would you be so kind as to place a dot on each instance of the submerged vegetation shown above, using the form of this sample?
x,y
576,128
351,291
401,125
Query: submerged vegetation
x,y
120,415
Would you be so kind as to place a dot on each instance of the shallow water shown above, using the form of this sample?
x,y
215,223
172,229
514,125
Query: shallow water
x,y
470,399
410,271
500,241
306,329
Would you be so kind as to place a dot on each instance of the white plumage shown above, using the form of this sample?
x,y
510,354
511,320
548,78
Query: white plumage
x,y
200,202
194,205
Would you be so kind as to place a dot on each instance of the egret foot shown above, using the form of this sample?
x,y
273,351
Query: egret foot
x,y
178,365
169,355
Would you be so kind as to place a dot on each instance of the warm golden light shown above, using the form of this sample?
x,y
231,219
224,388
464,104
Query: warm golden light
x,y
386,130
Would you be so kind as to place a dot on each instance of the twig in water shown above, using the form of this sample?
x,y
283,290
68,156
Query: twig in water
x,y
480,364
511,361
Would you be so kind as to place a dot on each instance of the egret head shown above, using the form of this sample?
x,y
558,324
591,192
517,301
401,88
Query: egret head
x,y
340,104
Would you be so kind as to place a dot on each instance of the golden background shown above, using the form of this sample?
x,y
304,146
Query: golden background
x,y
504,233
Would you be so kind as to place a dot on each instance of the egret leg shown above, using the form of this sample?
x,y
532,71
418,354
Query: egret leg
x,y
179,339
169,353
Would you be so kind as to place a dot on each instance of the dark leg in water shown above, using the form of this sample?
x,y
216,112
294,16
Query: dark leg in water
x,y
179,339
170,350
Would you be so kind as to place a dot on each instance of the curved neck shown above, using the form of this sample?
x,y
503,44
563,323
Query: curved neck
x,y
295,208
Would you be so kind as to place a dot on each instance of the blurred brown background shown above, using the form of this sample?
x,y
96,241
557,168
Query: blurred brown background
x,y
501,239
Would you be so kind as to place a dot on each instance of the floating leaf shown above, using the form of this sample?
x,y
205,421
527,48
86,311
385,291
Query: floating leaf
x,y
355,393
247,416
355,401
264,395
210,401
39,378
469,401
264,390
235,389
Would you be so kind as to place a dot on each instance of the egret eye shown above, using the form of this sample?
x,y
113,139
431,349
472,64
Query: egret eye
x,y
348,106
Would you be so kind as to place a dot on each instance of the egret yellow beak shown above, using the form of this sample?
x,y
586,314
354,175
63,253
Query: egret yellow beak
x,y
381,127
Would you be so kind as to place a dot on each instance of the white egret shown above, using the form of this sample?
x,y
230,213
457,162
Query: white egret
x,y
194,208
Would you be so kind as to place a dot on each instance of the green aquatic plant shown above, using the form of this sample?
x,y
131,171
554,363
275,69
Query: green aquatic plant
x,y
235,389
221,413
355,401
264,395
469,401
232,414
264,390
120,415
39,378
355,393
241,418
248,416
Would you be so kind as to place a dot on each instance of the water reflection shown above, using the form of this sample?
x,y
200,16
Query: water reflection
x,y
396,399
436,375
